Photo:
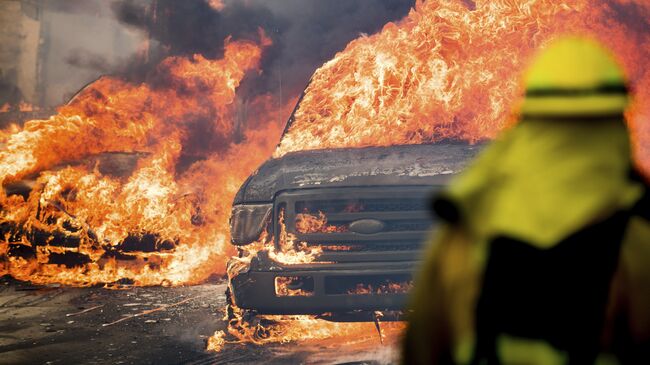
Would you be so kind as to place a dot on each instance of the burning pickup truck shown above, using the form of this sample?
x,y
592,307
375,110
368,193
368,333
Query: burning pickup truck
x,y
336,233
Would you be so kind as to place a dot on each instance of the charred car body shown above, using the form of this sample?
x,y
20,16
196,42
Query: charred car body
x,y
376,203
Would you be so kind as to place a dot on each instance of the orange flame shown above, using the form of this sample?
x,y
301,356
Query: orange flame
x,y
268,329
26,107
335,248
283,287
216,342
293,251
21,107
302,328
446,71
217,5
385,288
159,224
309,223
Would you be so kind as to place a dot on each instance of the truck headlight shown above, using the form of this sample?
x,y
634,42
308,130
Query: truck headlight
x,y
247,222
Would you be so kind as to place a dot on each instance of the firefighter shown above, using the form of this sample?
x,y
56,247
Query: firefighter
x,y
543,256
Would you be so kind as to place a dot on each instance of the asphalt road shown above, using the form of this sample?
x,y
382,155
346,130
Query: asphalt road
x,y
60,325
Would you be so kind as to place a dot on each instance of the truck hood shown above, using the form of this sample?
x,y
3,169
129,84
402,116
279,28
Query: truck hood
x,y
430,164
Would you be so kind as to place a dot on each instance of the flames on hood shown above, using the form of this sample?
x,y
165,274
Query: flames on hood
x,y
447,70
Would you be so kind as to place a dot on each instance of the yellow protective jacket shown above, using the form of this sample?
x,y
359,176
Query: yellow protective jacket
x,y
539,183
544,257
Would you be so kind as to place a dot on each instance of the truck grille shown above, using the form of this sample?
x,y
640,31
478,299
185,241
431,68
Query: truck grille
x,y
358,224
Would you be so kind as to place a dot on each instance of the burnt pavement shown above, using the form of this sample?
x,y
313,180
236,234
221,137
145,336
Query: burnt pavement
x,y
140,325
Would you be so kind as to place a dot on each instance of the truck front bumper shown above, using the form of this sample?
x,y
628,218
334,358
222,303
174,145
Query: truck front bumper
x,y
329,287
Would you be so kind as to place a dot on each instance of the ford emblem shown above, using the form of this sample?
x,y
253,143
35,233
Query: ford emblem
x,y
367,226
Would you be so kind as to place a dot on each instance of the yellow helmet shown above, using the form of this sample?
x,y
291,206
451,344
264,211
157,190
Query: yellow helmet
x,y
574,77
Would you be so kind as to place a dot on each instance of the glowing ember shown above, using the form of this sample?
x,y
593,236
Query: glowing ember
x,y
216,342
309,223
26,107
290,286
341,247
386,288
216,4
354,207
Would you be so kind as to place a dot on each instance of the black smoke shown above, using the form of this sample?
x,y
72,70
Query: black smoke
x,y
305,33
633,15
73,6
9,92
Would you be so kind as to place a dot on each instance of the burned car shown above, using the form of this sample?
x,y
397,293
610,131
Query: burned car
x,y
366,210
